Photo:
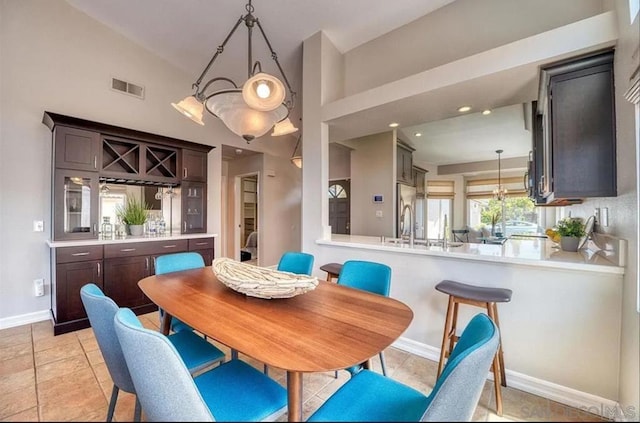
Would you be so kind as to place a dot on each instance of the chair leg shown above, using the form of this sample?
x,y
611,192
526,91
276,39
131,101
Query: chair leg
x,y
112,402
496,369
138,411
234,354
447,329
383,364
266,370
503,375
335,375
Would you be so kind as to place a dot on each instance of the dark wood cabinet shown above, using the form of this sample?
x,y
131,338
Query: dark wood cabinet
x,y
194,165
418,179
75,205
76,149
74,267
577,105
194,207
404,165
116,268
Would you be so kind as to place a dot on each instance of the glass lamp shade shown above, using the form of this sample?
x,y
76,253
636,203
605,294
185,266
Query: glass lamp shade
x,y
240,118
191,108
283,128
263,92
297,160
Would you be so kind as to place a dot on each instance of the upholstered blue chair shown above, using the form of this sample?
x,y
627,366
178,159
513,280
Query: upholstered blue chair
x,y
100,310
296,262
233,391
369,396
173,263
196,352
367,276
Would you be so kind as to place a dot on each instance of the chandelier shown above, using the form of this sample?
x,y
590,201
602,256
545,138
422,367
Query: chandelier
x,y
500,192
251,110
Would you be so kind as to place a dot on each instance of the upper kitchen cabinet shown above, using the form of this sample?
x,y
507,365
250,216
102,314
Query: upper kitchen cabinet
x,y
76,149
576,104
194,165
418,178
404,166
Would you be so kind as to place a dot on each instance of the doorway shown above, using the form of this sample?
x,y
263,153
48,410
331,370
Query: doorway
x,y
247,223
340,206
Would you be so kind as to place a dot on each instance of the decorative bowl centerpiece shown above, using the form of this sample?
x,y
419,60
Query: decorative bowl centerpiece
x,y
261,282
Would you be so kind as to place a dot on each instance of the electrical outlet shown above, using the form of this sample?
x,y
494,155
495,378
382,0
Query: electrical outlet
x,y
378,213
38,226
38,286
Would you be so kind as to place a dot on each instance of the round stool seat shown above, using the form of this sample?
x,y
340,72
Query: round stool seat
x,y
476,293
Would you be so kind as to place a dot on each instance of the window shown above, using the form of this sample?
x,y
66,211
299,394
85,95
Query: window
x,y
337,191
440,196
634,8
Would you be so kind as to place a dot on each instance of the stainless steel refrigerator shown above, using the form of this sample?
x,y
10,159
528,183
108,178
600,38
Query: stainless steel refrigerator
x,y
406,194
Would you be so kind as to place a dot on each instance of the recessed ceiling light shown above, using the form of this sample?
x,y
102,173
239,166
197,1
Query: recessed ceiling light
x,y
486,112
464,108
238,151
393,125
418,134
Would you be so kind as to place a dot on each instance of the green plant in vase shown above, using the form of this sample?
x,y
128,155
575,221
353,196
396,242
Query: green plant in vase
x,y
494,219
134,214
570,231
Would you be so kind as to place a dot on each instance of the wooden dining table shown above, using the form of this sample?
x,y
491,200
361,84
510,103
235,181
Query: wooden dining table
x,y
329,328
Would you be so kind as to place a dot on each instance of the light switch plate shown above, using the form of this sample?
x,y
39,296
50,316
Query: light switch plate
x,y
38,226
378,213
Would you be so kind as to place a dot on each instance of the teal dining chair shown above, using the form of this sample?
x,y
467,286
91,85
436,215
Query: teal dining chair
x,y
173,263
369,396
296,262
197,353
233,391
367,276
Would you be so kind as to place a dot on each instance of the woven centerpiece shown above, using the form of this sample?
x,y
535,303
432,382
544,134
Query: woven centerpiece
x,y
261,282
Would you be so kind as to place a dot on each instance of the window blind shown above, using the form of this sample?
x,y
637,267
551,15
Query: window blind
x,y
440,189
483,188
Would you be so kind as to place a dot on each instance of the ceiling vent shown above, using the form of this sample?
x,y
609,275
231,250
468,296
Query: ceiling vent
x,y
127,88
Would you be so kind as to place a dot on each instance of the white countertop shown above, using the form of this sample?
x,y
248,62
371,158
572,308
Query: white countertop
x,y
533,252
128,239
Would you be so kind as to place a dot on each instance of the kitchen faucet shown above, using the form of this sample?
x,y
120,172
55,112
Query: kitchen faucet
x,y
411,228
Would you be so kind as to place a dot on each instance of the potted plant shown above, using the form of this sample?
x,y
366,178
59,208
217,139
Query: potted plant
x,y
570,231
134,214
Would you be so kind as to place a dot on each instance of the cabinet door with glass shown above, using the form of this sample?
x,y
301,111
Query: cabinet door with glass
x,y
75,214
194,207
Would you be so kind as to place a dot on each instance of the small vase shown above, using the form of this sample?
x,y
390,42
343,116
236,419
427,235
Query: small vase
x,y
569,243
136,230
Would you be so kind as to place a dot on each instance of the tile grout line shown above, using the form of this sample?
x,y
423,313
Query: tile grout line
x,y
35,372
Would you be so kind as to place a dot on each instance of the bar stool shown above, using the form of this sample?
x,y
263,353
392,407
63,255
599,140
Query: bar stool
x,y
484,297
332,269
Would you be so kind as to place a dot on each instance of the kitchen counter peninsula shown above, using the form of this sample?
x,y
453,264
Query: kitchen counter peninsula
x,y
540,252
561,329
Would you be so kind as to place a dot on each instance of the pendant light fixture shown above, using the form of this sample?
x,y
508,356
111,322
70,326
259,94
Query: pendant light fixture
x,y
251,110
296,159
500,192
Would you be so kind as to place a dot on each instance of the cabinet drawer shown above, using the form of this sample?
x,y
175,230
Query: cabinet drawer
x,y
145,248
200,244
74,254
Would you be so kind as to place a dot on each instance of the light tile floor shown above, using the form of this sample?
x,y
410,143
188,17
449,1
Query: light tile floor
x,y
64,378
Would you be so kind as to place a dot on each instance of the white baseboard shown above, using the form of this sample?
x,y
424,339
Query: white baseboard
x,y
562,394
25,319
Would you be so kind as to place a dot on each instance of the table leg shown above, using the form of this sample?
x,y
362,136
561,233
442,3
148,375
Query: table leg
x,y
294,396
166,323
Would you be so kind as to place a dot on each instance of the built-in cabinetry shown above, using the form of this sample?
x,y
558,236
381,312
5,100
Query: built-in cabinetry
x,y
418,179
86,153
404,166
116,268
574,147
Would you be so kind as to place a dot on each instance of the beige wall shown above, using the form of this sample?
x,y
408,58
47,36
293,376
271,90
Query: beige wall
x,y
339,162
56,58
372,172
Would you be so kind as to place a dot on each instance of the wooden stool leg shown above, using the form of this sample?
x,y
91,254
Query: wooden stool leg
x,y
496,368
503,376
445,334
454,323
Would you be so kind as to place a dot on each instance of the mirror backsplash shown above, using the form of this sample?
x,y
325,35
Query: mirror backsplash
x,y
164,204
